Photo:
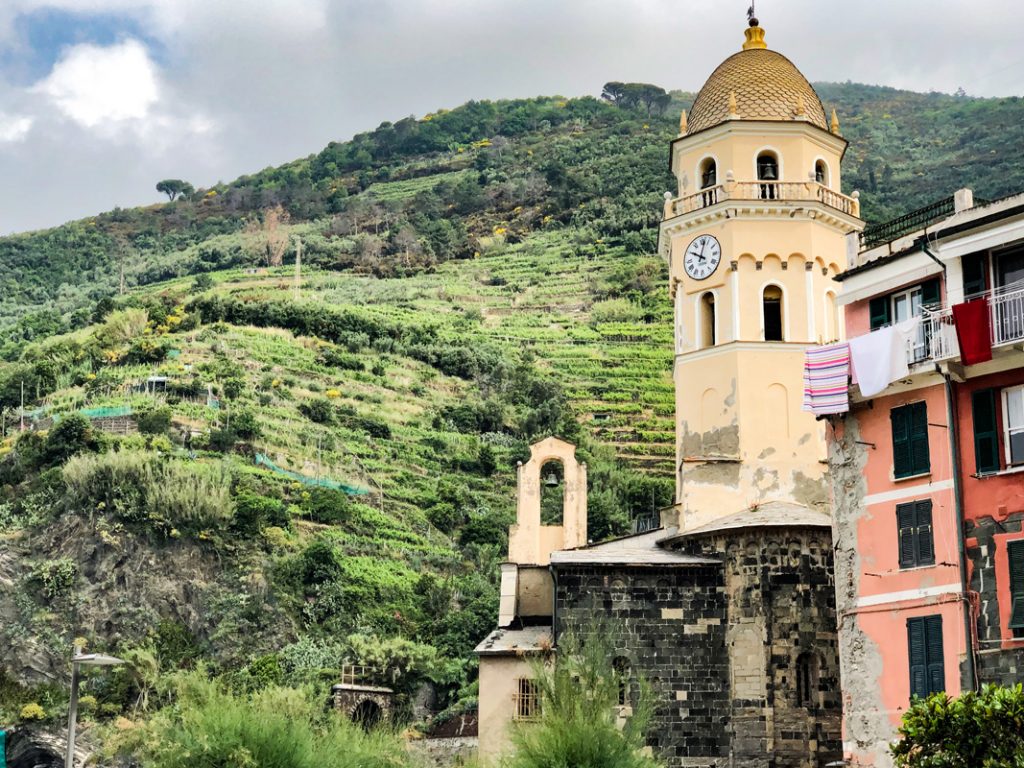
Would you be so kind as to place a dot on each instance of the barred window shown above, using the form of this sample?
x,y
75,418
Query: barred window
x,y
527,700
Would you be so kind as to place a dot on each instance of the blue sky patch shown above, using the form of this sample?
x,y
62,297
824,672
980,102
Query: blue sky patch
x,y
45,33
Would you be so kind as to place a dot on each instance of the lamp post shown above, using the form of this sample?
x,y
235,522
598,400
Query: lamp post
x,y
89,659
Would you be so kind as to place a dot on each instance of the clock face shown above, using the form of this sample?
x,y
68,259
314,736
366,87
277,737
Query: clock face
x,y
702,257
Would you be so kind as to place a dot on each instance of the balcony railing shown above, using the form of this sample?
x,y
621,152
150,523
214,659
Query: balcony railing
x,y
933,339
768,191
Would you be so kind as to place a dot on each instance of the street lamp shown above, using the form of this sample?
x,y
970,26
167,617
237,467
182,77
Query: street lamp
x,y
89,659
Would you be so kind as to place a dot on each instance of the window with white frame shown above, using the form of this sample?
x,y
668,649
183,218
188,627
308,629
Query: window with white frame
x,y
907,305
1013,424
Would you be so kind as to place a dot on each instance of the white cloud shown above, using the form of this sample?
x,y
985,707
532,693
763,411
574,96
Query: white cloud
x,y
14,128
96,86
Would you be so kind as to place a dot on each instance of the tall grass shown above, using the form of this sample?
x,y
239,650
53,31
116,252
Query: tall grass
x,y
144,487
207,726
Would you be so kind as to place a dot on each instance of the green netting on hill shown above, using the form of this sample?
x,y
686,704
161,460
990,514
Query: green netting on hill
x,y
107,413
323,482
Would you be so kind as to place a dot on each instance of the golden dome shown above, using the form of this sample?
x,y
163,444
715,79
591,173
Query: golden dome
x,y
756,84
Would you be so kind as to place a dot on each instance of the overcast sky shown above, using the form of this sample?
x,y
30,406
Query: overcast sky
x,y
99,99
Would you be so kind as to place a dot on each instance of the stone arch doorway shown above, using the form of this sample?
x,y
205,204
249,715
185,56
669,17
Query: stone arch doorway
x,y
367,714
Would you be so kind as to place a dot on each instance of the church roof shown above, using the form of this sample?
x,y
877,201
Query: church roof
x,y
756,84
516,641
643,549
772,514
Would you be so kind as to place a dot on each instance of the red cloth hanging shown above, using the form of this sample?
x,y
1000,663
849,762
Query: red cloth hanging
x,y
973,323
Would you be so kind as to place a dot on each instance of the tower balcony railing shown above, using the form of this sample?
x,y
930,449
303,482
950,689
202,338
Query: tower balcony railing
x,y
767,191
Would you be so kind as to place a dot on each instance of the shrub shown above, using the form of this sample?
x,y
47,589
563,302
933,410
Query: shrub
x,y
614,311
72,434
578,712
325,505
32,713
280,727
222,440
319,410
56,577
980,730
155,421
246,425
254,512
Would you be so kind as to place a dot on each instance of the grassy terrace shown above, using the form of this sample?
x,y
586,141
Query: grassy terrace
x,y
535,294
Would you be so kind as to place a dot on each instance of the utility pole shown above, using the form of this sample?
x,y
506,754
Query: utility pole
x,y
298,267
21,428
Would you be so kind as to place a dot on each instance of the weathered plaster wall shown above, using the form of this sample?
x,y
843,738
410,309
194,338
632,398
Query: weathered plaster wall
x,y
536,591
531,543
499,680
865,723
875,596
743,436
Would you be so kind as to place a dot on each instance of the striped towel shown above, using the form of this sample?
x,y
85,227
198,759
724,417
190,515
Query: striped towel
x,y
826,379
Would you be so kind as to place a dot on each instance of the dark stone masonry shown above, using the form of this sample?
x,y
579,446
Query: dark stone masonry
x,y
998,661
741,652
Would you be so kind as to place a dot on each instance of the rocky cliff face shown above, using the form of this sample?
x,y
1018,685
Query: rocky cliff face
x,y
119,588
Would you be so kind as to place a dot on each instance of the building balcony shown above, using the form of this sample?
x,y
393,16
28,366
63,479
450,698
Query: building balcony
x,y
762,192
1006,324
933,339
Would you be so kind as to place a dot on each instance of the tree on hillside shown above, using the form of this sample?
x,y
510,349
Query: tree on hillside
x,y
636,95
268,239
175,188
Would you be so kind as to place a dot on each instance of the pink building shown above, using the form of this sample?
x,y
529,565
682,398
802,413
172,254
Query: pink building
x,y
927,463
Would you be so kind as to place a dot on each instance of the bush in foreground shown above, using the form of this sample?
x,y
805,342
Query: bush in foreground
x,y
578,725
207,726
975,730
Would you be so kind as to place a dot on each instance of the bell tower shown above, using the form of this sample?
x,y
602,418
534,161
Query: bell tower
x,y
754,236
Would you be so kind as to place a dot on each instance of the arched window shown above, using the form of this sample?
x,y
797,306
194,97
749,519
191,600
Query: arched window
x,y
708,180
622,674
831,317
552,493
707,320
807,671
708,173
768,171
821,172
771,309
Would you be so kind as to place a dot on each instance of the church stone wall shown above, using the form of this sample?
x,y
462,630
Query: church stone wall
x,y
781,612
670,624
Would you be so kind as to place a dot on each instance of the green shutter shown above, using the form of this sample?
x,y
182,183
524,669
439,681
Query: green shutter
x,y
975,267
936,664
920,460
930,292
901,461
905,531
880,312
917,652
1015,551
924,538
986,434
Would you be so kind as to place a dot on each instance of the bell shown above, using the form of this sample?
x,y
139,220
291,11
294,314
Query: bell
x,y
769,173
551,481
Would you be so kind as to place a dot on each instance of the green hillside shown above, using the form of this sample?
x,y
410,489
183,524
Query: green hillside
x,y
273,474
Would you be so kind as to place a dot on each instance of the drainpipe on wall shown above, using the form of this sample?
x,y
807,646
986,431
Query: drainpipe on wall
x,y
932,256
961,544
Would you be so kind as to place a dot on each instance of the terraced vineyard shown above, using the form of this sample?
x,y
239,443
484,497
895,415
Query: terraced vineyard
x,y
539,296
